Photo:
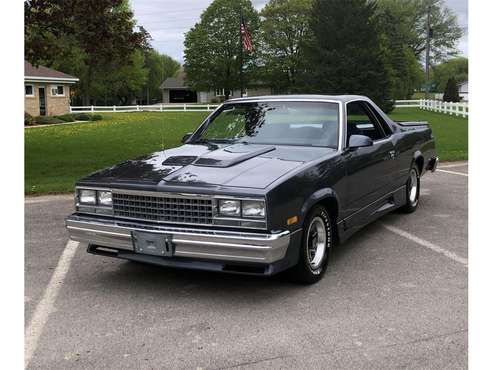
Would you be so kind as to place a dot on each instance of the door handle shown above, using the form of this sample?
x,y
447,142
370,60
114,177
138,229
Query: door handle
x,y
392,154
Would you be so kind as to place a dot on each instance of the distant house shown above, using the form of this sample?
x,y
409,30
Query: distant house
x,y
46,91
464,90
176,90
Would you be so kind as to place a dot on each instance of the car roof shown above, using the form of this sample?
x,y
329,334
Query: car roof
x,y
308,97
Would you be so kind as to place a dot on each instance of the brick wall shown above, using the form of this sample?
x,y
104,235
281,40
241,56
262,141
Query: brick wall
x,y
55,105
31,103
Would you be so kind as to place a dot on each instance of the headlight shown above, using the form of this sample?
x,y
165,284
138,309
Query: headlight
x,y
87,196
104,198
229,207
253,208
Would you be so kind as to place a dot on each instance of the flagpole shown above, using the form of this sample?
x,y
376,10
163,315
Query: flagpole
x,y
242,87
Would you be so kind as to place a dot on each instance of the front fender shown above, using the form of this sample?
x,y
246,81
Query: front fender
x,y
317,197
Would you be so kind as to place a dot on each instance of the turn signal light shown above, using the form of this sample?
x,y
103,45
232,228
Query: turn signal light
x,y
292,220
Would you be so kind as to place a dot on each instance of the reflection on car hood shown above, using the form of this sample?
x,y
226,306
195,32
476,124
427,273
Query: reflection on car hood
x,y
237,165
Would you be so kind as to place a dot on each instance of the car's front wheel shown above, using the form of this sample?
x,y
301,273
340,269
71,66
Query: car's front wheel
x,y
315,247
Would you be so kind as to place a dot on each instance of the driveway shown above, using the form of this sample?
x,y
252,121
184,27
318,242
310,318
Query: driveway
x,y
395,295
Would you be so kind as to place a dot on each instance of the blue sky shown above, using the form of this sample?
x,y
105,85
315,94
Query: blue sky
x,y
168,20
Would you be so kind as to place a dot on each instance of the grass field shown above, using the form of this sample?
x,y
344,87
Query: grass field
x,y
55,157
451,132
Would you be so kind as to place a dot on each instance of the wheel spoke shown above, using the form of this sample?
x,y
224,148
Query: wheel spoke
x,y
316,242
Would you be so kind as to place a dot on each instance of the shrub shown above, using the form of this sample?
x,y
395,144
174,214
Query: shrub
x,y
96,117
82,117
47,120
66,117
28,119
451,91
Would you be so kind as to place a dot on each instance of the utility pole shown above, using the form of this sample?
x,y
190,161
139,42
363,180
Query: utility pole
x,y
427,61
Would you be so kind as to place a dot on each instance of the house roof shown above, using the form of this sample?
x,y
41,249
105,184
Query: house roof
x,y
177,82
45,74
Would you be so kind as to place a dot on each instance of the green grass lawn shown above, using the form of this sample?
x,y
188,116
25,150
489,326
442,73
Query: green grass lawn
x,y
56,156
450,132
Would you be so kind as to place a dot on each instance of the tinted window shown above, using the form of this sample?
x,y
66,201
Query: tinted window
x,y
290,123
383,124
360,122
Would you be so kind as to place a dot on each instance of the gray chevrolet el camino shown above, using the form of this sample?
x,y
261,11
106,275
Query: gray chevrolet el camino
x,y
265,184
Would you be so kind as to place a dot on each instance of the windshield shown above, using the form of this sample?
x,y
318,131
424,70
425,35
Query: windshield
x,y
288,123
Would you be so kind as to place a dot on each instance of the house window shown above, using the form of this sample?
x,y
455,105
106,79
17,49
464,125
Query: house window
x,y
29,90
57,90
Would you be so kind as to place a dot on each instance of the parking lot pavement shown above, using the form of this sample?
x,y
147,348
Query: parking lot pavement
x,y
394,296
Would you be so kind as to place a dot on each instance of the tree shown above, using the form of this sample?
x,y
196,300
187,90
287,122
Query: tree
x,y
125,82
212,46
345,55
456,67
445,31
160,67
284,28
405,72
451,91
102,31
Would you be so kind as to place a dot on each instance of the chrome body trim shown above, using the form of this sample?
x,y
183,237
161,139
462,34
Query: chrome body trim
x,y
189,242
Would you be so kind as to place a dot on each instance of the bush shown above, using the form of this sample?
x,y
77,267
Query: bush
x,y
28,119
87,117
451,91
66,117
47,120
96,117
82,117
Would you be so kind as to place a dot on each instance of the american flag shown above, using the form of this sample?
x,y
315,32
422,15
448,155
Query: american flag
x,y
245,35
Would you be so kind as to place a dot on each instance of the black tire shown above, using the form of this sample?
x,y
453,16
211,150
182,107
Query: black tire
x,y
311,267
412,197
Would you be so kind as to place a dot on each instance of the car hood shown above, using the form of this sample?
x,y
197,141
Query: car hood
x,y
237,165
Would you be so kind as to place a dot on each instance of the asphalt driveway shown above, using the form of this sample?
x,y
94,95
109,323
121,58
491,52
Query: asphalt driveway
x,y
395,296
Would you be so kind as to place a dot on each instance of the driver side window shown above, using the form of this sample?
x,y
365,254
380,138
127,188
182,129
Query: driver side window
x,y
360,122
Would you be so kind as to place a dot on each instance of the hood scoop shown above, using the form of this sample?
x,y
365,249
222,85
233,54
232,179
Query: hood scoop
x,y
181,160
232,155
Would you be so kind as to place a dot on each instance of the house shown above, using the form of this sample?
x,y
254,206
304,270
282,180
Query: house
x,y
464,90
176,90
46,91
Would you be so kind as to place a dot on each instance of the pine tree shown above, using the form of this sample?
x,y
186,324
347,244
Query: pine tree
x,y
451,91
345,55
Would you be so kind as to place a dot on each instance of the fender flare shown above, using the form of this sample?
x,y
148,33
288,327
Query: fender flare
x,y
315,198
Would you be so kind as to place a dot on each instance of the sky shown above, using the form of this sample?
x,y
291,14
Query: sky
x,y
168,20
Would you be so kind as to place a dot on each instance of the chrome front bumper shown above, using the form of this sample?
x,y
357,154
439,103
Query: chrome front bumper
x,y
189,243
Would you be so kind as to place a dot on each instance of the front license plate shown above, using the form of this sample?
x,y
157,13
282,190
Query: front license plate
x,y
153,244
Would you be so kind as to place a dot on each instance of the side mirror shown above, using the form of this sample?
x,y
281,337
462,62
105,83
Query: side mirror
x,y
186,137
359,141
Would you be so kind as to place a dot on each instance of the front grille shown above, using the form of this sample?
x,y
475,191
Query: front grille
x,y
163,208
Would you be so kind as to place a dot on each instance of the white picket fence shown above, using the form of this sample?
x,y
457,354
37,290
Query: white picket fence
x,y
459,109
144,108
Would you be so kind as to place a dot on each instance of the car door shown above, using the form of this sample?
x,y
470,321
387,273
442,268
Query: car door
x,y
369,170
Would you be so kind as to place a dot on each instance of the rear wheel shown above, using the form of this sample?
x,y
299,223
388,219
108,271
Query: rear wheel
x,y
315,247
412,190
